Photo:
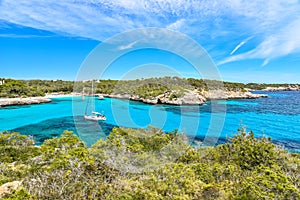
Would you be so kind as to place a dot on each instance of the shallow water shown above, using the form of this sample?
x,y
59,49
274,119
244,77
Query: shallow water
x,y
277,117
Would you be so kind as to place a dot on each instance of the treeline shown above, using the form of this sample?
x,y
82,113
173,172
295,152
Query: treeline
x,y
50,86
145,88
30,88
215,85
174,86
18,88
147,164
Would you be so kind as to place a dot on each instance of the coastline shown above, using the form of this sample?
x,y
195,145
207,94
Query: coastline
x,y
23,101
275,89
243,107
190,97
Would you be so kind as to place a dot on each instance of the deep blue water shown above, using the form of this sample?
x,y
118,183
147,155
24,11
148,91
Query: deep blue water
x,y
277,117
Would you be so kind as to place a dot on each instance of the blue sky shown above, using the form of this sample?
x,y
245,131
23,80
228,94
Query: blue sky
x,y
250,41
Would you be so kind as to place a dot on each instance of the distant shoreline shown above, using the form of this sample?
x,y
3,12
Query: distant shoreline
x,y
276,89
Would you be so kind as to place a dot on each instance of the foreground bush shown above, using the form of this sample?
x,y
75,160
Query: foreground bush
x,y
148,164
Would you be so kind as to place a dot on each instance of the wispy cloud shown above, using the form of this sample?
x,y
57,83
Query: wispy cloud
x,y
129,46
25,36
210,22
176,25
286,41
240,45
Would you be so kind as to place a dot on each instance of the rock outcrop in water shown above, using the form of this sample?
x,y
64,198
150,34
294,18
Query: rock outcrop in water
x,y
23,101
188,98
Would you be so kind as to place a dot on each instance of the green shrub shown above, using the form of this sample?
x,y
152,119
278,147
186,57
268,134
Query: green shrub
x,y
148,164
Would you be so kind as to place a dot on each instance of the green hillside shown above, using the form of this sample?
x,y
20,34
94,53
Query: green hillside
x,y
145,88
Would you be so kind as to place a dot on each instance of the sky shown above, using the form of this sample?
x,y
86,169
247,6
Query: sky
x,y
249,41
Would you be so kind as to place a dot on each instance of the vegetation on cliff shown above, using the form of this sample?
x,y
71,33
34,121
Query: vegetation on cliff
x,y
128,165
172,87
165,84
175,90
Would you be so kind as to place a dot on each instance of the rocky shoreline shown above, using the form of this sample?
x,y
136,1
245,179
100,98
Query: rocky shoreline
x,y
23,101
224,95
274,89
190,97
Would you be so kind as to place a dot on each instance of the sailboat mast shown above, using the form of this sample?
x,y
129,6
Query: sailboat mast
x,y
93,102
82,94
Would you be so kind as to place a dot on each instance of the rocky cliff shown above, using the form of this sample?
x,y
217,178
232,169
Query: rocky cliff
x,y
189,97
221,94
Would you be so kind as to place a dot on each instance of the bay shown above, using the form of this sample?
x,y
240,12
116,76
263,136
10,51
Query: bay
x,y
277,117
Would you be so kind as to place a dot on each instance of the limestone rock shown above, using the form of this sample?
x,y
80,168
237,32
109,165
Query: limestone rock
x,y
189,98
9,187
23,101
223,94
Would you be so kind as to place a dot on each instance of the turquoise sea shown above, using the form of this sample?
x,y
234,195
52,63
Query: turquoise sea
x,y
277,117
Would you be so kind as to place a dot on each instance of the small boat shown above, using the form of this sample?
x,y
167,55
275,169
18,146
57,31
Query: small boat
x,y
100,97
95,116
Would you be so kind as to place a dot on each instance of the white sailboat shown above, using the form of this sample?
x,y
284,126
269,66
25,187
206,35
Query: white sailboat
x,y
95,116
100,97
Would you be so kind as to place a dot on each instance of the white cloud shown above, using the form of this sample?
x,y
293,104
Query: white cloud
x,y
129,46
176,25
286,41
211,22
240,45
24,36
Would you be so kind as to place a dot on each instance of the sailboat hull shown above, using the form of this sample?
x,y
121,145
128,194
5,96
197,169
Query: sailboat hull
x,y
100,97
95,118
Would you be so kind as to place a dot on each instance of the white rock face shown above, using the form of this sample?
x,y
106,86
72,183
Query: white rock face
x,y
221,94
215,94
189,98
23,101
